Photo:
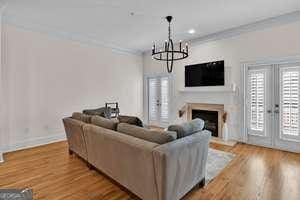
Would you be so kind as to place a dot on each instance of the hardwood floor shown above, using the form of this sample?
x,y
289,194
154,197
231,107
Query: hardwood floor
x,y
255,173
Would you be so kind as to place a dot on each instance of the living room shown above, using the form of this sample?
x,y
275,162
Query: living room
x,y
201,99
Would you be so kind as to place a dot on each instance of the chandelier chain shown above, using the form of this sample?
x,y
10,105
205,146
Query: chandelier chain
x,y
169,31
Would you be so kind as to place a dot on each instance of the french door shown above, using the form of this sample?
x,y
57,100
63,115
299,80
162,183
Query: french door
x,y
273,105
159,100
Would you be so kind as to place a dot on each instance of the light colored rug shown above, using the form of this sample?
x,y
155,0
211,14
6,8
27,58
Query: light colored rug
x,y
216,162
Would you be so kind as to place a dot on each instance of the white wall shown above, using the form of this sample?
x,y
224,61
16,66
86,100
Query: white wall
x,y
48,78
1,106
272,42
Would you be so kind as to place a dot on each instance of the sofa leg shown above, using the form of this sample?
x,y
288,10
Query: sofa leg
x,y
201,184
90,166
70,152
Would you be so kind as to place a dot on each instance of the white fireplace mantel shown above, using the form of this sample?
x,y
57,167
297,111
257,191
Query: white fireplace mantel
x,y
210,89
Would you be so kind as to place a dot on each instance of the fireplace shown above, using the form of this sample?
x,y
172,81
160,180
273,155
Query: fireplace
x,y
212,114
210,118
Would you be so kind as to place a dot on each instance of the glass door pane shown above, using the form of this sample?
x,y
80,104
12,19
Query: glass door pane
x,y
259,114
289,103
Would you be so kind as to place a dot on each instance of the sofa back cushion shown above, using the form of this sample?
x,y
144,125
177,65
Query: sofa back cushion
x,y
81,117
130,120
156,136
187,128
104,122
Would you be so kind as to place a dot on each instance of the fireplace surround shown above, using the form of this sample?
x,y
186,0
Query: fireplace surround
x,y
211,111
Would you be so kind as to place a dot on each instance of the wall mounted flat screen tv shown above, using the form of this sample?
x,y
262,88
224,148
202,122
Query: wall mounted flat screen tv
x,y
205,74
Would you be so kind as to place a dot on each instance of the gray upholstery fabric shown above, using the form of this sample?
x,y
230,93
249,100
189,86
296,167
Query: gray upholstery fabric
x,y
75,137
180,165
130,120
105,123
156,136
82,117
187,128
149,170
103,112
126,159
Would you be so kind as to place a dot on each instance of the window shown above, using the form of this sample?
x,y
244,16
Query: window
x,y
257,99
289,90
159,100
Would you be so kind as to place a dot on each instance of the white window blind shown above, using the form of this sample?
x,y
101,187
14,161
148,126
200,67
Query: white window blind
x,y
159,100
290,101
164,103
153,85
257,99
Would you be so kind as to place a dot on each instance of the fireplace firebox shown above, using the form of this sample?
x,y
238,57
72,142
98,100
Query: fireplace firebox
x,y
210,118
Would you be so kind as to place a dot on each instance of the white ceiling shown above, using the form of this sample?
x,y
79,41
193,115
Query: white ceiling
x,y
110,21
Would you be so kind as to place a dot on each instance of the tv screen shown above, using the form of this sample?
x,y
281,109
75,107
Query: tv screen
x,y
205,74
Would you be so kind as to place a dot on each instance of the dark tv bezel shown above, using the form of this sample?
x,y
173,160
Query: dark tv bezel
x,y
185,83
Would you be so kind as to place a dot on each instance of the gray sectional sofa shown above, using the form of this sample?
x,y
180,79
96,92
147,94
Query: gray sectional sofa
x,y
162,167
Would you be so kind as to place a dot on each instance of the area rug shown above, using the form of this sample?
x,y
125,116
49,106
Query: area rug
x,y
216,161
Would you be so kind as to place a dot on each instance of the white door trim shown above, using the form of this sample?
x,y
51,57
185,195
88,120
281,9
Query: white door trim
x,y
244,66
146,94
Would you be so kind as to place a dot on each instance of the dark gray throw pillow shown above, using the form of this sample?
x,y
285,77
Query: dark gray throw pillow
x,y
103,112
187,128
130,120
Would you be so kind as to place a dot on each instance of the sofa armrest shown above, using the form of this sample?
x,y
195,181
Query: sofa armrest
x,y
75,137
180,165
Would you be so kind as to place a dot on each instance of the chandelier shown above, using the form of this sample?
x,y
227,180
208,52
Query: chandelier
x,y
168,53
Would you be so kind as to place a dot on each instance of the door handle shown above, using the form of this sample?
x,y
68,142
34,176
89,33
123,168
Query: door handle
x,y
269,111
276,109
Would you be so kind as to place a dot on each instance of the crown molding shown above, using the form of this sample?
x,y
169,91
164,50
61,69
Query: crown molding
x,y
77,37
259,25
256,26
228,33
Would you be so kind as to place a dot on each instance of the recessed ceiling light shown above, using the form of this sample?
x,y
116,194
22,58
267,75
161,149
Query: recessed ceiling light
x,y
192,31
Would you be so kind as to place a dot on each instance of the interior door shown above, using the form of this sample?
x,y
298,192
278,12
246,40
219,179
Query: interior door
x,y
158,100
286,107
259,105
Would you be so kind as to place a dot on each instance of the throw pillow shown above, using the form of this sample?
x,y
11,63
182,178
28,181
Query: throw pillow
x,y
156,136
187,128
130,120
82,117
105,123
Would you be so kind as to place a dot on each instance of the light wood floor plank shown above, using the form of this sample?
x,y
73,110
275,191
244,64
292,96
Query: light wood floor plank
x,y
255,173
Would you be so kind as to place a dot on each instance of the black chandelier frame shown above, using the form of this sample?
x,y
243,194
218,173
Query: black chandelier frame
x,y
168,54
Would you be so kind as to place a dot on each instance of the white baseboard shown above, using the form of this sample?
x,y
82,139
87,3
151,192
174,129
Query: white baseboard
x,y
35,142
1,158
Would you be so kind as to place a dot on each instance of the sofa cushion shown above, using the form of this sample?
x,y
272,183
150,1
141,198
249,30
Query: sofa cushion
x,y
105,123
156,136
187,128
82,117
130,120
